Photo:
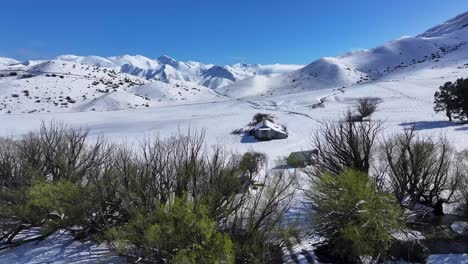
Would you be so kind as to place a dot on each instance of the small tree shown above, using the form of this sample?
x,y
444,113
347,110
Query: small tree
x,y
422,169
452,98
445,100
463,172
181,232
354,216
461,86
63,203
367,106
344,145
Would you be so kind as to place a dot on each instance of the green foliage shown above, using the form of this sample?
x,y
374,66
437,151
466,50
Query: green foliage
x,y
354,216
252,162
452,98
63,202
295,162
181,232
15,204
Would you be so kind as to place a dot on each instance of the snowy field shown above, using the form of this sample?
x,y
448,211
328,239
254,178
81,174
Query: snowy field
x,y
405,103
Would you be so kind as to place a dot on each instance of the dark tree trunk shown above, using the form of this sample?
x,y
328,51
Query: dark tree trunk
x,y
438,208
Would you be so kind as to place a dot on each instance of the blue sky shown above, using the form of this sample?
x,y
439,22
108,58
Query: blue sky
x,y
213,31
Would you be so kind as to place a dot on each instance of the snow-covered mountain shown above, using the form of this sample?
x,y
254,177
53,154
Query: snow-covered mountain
x,y
64,86
444,45
168,70
94,83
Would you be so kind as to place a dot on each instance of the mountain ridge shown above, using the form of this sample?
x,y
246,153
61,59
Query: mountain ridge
x,y
442,45
167,69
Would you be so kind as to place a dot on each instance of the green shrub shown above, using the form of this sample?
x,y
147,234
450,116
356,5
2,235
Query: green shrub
x,y
181,232
355,217
63,202
295,162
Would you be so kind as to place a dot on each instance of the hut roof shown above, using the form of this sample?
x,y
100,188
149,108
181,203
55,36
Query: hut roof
x,y
265,124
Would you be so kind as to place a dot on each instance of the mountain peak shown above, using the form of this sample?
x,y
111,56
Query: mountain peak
x,y
164,59
449,26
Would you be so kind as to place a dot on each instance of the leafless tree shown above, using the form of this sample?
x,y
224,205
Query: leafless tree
x,y
421,169
344,145
462,174
261,210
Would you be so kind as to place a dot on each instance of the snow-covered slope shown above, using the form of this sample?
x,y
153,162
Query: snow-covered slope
x,y
89,60
452,25
5,62
63,86
444,45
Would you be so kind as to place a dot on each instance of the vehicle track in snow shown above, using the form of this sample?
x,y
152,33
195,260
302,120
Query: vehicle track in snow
x,y
276,108
258,106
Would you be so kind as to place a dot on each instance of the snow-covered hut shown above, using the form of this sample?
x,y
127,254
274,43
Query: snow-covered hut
x,y
266,130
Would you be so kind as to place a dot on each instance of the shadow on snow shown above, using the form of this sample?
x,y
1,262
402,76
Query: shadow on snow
x,y
426,125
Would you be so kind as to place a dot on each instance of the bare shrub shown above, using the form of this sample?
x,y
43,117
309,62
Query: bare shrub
x,y
255,220
462,174
344,145
421,169
59,178
259,117
238,131
367,106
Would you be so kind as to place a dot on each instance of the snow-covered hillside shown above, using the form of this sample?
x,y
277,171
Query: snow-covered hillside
x,y
444,45
63,86
5,62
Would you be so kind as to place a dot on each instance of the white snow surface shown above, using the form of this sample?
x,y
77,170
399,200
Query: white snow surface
x,y
448,259
5,62
460,228
59,248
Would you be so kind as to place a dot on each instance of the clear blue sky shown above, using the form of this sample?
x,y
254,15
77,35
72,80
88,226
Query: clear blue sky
x,y
213,31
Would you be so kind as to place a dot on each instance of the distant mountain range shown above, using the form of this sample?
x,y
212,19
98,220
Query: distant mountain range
x,y
167,69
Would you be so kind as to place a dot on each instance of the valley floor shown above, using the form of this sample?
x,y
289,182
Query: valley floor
x,y
405,103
